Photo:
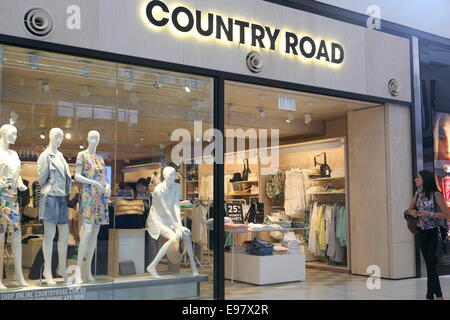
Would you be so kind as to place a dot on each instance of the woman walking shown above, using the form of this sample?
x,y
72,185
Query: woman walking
x,y
429,206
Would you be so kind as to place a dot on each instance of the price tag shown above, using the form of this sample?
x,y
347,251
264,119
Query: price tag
x,y
234,210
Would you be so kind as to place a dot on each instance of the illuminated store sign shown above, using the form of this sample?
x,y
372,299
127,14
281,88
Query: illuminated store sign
x,y
211,25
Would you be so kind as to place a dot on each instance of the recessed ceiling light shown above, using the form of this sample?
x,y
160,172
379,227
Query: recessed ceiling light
x,y
308,118
68,136
81,146
261,113
84,91
187,89
291,115
42,136
134,98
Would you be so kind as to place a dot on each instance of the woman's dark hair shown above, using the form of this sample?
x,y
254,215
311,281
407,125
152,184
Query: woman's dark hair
x,y
429,182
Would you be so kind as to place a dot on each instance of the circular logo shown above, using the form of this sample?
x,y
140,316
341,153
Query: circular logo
x,y
38,22
255,62
394,87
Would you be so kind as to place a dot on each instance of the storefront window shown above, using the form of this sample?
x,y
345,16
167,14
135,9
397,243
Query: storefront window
x,y
87,190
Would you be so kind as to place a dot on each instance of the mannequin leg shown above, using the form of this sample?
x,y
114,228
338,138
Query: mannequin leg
x,y
16,238
63,238
190,252
91,250
86,231
2,249
47,249
171,236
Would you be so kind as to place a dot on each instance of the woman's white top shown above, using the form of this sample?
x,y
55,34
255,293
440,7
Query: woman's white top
x,y
9,165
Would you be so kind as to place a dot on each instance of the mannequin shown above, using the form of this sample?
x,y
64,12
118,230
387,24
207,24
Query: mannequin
x,y
91,173
165,219
10,181
55,181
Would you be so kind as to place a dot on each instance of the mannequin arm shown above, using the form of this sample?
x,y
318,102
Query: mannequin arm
x,y
43,170
82,179
20,184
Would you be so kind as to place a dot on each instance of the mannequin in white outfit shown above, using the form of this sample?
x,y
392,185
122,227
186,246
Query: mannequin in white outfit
x,y
10,169
165,219
89,231
55,186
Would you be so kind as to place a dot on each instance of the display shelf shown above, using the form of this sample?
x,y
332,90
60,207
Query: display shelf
x,y
241,182
191,181
327,267
242,194
327,179
325,193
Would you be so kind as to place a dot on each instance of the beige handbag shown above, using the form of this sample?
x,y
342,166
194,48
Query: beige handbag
x,y
173,253
31,212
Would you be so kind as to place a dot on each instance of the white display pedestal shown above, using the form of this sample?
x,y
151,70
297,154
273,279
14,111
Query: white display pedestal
x,y
126,244
265,269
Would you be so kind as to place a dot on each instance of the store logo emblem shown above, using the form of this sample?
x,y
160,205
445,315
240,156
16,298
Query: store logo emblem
x,y
208,25
374,281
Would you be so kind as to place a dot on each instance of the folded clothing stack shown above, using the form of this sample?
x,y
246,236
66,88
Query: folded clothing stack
x,y
123,207
292,243
280,250
258,247
235,227
284,224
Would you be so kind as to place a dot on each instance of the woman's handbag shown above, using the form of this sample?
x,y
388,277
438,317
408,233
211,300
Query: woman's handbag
x,y
411,222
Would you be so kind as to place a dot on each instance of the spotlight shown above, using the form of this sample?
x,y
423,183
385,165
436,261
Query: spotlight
x,y
81,146
44,86
42,136
68,136
261,113
129,75
85,70
156,85
134,99
291,116
308,118
197,139
231,108
34,61
84,91
187,89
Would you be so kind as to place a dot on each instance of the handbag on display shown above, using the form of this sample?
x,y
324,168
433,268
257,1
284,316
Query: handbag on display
x,y
256,213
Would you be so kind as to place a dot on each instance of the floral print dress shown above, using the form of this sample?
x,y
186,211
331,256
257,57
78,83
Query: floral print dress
x,y
424,203
9,206
93,204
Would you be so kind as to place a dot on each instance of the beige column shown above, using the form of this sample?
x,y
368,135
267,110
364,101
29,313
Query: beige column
x,y
380,183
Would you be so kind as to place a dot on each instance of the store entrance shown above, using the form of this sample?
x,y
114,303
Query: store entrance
x,y
286,184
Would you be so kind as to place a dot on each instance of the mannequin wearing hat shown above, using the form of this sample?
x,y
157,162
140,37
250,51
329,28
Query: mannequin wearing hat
x,y
165,220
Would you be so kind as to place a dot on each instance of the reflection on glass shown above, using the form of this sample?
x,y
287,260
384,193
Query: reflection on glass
x,y
117,123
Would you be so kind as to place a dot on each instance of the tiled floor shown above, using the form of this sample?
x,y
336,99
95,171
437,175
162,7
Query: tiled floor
x,y
326,285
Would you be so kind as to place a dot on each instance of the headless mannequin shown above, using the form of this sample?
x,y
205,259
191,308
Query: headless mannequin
x,y
89,232
8,135
165,219
56,138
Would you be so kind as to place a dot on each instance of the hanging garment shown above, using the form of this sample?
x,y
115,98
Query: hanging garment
x,y
331,231
206,188
294,197
36,194
341,230
199,218
321,229
307,225
275,187
313,246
